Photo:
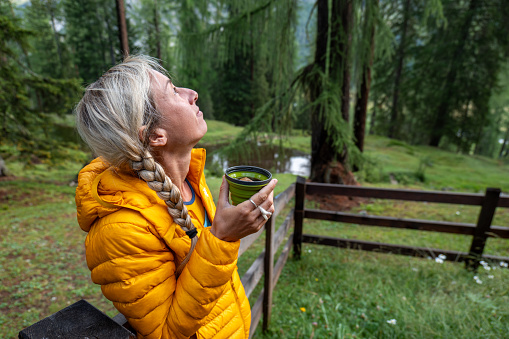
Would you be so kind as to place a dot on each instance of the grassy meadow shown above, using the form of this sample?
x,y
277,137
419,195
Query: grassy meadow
x,y
328,293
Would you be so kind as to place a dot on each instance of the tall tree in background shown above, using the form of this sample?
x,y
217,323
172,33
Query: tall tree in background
x,y
92,34
27,99
52,57
195,54
400,56
449,85
327,83
452,55
122,27
472,63
154,23
244,59
361,106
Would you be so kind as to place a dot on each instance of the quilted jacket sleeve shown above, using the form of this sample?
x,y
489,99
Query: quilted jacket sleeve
x,y
201,283
137,273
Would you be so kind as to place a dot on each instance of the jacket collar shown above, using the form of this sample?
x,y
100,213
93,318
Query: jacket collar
x,y
196,166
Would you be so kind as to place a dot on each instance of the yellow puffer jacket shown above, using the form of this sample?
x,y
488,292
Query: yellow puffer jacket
x,y
132,248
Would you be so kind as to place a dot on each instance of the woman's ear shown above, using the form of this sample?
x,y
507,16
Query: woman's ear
x,y
157,138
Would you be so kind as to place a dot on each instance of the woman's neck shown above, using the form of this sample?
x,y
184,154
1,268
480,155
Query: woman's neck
x,y
176,166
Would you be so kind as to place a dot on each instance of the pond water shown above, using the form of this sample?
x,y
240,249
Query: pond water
x,y
274,159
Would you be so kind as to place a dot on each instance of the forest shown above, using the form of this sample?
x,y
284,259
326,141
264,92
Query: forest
x,y
400,94
426,72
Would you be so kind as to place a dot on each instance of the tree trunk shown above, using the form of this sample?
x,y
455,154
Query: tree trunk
x,y
442,114
55,36
399,71
373,116
122,28
343,31
321,153
504,144
361,106
344,52
100,35
461,147
324,153
110,39
158,35
3,168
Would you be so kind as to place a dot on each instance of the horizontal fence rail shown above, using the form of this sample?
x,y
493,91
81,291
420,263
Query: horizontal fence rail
x,y
479,232
402,194
414,224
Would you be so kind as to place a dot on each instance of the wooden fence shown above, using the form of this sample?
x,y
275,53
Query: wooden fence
x,y
480,231
264,263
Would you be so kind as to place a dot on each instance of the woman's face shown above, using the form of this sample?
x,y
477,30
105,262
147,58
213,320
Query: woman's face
x,y
181,117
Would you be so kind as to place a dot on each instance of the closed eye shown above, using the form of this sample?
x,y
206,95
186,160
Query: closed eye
x,y
175,91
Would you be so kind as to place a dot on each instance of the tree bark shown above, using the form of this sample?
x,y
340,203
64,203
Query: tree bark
x,y
158,35
504,144
361,106
321,153
442,115
55,36
324,153
344,52
341,36
110,39
122,28
399,70
3,168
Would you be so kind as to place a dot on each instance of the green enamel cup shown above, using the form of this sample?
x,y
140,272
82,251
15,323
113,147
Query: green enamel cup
x,y
245,181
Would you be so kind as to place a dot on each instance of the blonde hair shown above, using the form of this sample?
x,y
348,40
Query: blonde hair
x,y
109,118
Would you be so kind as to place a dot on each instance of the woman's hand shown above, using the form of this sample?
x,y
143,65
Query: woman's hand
x,y
232,223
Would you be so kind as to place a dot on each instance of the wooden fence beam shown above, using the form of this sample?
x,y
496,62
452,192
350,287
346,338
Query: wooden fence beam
x,y
268,269
483,227
420,252
353,244
503,201
280,201
396,194
253,275
281,261
256,314
413,224
300,192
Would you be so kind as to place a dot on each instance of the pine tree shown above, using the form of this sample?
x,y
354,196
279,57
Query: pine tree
x,y
24,118
92,34
50,55
361,105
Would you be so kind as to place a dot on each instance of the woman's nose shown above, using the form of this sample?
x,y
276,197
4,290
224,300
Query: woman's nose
x,y
192,96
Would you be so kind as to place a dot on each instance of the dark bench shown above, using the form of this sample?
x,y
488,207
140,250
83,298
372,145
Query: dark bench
x,y
79,320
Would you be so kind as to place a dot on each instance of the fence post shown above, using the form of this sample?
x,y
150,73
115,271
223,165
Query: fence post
x,y
483,227
268,270
300,192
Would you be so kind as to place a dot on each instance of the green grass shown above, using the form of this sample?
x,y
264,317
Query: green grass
x,y
345,293
219,132
42,255
333,293
447,170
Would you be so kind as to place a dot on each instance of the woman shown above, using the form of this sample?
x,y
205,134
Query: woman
x,y
156,244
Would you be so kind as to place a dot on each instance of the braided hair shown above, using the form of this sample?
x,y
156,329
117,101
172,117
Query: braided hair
x,y
109,118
